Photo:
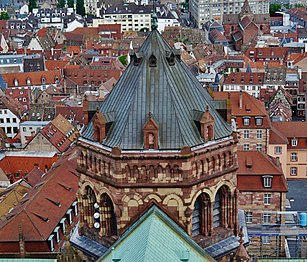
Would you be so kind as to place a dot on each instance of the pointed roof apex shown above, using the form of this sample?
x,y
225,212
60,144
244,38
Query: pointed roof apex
x,y
241,253
246,9
154,18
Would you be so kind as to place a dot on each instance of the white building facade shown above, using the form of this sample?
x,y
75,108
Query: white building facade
x,y
29,129
9,122
204,10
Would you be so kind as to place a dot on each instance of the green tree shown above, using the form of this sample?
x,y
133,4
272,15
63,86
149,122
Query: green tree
x,y
70,3
32,4
123,59
274,8
80,9
61,4
4,16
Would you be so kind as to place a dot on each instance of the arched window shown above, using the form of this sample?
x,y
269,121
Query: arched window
x,y
201,216
222,208
107,217
151,141
152,61
209,133
217,210
224,160
89,207
213,163
97,134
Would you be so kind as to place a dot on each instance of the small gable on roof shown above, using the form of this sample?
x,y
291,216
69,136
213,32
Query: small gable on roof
x,y
151,133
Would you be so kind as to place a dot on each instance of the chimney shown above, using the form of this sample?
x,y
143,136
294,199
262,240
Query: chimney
x,y
241,100
228,109
85,110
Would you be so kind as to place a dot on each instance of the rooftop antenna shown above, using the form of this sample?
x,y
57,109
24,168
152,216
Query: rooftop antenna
x,y
154,19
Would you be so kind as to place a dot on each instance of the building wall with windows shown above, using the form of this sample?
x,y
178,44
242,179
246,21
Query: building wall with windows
x,y
9,122
29,128
279,151
131,17
251,118
205,10
295,157
263,188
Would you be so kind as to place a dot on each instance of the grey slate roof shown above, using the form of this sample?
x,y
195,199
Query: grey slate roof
x,y
170,92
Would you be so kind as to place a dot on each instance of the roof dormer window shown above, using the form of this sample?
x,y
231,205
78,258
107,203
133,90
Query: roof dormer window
x,y
16,82
246,121
294,142
43,80
267,181
259,121
152,61
28,81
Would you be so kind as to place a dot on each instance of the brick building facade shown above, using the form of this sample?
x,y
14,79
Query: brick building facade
x,y
250,118
263,188
241,29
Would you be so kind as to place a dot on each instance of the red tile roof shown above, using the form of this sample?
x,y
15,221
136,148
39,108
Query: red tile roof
x,y
291,129
216,35
34,77
7,102
255,164
20,94
38,214
83,77
251,107
55,64
276,137
35,175
262,53
299,12
42,32
14,163
57,139
244,78
74,113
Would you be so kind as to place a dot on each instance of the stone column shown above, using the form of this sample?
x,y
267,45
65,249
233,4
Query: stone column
x,y
85,206
90,213
235,212
81,209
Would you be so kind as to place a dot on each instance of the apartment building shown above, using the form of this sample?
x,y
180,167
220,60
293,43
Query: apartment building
x,y
134,17
296,152
202,11
250,118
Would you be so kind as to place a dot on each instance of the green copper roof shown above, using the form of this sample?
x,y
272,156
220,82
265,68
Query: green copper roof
x,y
168,90
155,237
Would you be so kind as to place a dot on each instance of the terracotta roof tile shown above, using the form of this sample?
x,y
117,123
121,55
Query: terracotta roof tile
x,y
291,129
244,78
37,215
13,164
35,78
74,113
255,164
276,137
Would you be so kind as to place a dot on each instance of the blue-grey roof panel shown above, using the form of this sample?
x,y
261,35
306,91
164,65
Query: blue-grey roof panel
x,y
169,92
